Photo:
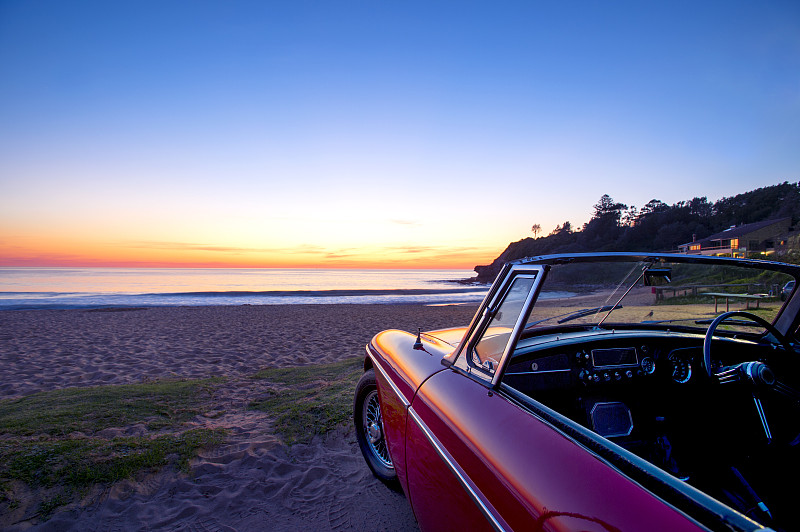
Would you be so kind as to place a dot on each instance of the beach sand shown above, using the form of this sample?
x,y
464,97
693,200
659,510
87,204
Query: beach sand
x,y
252,481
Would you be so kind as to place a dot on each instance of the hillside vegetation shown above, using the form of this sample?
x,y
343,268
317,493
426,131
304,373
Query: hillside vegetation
x,y
656,226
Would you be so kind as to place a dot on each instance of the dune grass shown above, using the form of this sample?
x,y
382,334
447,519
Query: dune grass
x,y
49,439
82,462
158,404
310,400
53,441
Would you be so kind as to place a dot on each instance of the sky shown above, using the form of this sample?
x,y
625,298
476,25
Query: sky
x,y
394,134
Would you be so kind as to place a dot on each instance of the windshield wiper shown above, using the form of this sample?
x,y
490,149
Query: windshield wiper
x,y
744,323
699,322
617,304
656,322
588,312
571,315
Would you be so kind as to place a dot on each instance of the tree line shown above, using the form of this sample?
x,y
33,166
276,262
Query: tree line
x,y
656,226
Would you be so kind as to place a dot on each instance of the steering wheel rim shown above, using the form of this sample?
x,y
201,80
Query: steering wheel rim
x,y
758,320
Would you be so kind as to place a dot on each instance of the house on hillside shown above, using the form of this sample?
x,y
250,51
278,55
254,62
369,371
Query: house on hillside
x,y
739,241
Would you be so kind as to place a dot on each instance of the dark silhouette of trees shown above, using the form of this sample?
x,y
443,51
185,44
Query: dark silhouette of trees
x,y
761,204
656,226
562,229
604,229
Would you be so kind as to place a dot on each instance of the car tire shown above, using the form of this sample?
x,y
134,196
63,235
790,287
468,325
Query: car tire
x,y
369,428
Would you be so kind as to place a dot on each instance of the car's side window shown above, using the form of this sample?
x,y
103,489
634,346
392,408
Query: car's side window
x,y
488,350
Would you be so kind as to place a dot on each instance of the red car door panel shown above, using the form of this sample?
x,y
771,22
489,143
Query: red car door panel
x,y
517,465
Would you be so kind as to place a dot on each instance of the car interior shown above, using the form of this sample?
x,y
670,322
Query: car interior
x,y
718,410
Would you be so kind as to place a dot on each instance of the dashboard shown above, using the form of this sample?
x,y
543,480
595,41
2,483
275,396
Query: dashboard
x,y
602,361
628,385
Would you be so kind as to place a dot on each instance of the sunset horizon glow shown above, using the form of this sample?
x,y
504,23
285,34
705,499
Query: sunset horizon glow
x,y
243,263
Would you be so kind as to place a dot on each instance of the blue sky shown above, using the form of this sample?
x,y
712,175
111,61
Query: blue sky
x,y
365,133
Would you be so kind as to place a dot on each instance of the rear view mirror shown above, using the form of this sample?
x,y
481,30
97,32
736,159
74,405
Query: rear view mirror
x,y
657,276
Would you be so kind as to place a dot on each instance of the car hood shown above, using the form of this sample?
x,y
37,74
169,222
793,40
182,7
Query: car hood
x,y
451,337
408,364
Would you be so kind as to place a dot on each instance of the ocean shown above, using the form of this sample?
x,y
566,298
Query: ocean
x,y
63,288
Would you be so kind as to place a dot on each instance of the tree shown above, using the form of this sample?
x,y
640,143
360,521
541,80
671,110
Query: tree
x,y
654,206
607,207
603,230
630,216
700,207
565,229
536,228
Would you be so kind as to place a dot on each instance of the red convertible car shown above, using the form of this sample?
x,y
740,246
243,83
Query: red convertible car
x,y
597,392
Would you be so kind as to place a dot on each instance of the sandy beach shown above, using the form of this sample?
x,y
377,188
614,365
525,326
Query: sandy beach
x,y
252,481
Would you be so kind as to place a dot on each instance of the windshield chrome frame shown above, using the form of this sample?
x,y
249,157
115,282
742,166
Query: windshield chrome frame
x,y
520,323
485,313
786,320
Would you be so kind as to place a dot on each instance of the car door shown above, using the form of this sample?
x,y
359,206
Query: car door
x,y
479,459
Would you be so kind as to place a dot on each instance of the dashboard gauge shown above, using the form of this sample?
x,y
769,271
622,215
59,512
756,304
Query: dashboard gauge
x,y
681,369
648,366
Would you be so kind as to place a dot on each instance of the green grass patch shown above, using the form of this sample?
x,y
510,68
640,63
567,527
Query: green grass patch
x,y
49,439
310,400
88,410
83,462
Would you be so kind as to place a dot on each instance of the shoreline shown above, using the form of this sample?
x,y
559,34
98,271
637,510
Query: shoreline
x,y
84,301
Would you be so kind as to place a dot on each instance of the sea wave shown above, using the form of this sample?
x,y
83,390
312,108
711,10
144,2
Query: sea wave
x,y
326,293
57,300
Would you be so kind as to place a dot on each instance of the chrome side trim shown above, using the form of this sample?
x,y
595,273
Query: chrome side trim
x,y
539,372
486,509
376,364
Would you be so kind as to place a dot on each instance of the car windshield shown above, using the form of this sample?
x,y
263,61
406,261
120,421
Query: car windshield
x,y
655,294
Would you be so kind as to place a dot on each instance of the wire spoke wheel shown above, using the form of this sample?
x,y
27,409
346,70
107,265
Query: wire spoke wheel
x,y
371,437
373,428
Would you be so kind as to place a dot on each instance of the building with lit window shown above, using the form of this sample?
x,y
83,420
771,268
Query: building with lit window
x,y
743,240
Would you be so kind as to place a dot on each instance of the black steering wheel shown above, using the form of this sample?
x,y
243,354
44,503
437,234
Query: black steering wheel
x,y
756,373
742,314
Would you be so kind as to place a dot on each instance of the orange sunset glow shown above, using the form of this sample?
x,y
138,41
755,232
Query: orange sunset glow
x,y
66,250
